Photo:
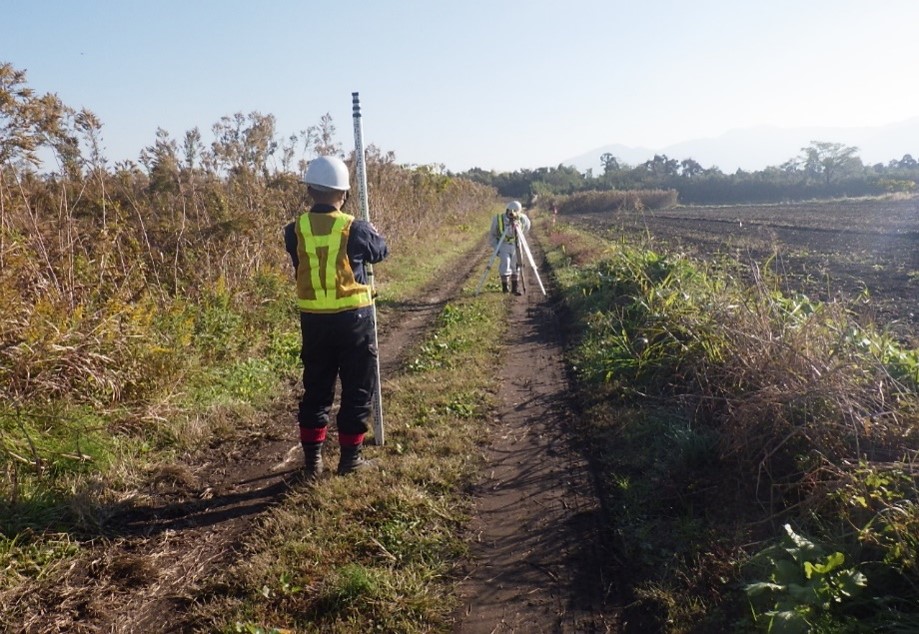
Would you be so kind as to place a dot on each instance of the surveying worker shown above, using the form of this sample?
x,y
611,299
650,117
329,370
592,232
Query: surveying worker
x,y
508,224
329,249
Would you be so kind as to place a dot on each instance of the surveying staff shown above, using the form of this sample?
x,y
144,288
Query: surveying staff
x,y
329,249
507,224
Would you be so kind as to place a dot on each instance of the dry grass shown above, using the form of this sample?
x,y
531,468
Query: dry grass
x,y
800,397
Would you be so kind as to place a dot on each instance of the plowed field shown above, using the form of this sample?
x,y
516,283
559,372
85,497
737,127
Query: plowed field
x,y
827,250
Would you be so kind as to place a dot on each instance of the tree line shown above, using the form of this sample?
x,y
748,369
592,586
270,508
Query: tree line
x,y
822,170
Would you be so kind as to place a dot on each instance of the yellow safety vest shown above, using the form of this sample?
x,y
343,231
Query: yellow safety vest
x,y
511,238
325,281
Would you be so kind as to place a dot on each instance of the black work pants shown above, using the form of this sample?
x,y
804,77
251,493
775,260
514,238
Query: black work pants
x,y
338,346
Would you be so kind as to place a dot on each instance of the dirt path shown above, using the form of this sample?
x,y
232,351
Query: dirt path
x,y
535,565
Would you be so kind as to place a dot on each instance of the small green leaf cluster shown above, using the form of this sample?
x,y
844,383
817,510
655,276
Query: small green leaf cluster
x,y
802,582
880,505
902,363
431,355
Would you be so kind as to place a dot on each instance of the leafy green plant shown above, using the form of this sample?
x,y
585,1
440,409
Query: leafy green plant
x,y
879,502
903,364
440,351
802,583
648,320
431,355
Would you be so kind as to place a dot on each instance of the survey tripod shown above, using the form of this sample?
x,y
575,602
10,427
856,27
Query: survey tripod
x,y
524,255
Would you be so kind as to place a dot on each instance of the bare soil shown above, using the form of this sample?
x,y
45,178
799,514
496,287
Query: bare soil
x,y
535,568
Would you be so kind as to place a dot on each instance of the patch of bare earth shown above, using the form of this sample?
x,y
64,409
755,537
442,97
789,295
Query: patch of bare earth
x,y
536,563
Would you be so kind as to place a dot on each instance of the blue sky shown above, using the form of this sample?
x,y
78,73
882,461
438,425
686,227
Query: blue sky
x,y
498,84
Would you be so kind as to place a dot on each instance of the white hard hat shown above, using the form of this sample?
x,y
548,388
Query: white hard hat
x,y
327,172
514,206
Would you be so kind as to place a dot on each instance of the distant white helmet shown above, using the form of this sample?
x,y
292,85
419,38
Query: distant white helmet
x,y
514,207
327,172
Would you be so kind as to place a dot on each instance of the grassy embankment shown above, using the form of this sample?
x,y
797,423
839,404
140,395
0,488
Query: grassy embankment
x,y
756,450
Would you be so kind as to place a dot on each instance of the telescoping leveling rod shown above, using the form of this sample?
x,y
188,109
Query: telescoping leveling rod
x,y
379,437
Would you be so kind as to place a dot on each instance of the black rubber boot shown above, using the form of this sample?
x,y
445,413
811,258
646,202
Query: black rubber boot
x,y
504,285
514,288
351,460
312,460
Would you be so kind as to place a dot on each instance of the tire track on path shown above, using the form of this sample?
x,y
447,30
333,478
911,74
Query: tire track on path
x,y
535,566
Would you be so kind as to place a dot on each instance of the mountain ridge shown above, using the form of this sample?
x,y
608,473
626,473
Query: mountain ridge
x,y
757,147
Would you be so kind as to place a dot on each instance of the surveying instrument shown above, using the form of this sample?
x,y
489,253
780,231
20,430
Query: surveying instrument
x,y
513,234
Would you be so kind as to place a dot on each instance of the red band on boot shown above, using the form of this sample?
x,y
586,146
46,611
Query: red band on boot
x,y
350,440
309,434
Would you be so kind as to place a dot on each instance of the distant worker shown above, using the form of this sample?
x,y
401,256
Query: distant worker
x,y
329,250
507,224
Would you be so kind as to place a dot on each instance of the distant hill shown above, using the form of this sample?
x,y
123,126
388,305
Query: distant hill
x,y
758,147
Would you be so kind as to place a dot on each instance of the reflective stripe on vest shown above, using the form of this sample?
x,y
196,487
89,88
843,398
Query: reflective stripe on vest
x,y
510,237
325,281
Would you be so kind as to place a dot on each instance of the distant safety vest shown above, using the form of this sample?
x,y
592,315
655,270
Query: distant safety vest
x,y
511,238
325,281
